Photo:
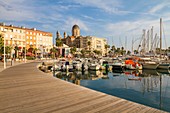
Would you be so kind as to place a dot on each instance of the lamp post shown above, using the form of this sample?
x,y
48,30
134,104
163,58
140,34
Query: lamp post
x,y
25,52
4,55
11,52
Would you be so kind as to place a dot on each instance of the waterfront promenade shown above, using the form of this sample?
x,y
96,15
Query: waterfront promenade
x,y
25,89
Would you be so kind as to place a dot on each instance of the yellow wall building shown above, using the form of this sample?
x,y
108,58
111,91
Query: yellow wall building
x,y
25,37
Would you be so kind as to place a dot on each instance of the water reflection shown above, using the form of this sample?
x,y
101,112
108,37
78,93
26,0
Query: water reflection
x,y
152,89
76,76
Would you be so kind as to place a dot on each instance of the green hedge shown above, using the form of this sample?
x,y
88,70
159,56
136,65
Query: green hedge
x,y
30,58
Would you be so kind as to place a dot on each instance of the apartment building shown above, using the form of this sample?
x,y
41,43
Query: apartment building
x,y
96,43
44,41
26,37
14,36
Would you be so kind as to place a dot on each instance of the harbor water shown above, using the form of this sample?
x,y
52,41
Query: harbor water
x,y
147,87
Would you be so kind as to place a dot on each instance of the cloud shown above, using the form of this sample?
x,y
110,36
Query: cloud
x,y
158,7
109,6
70,21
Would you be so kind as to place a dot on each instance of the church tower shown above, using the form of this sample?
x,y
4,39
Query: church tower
x,y
65,34
57,35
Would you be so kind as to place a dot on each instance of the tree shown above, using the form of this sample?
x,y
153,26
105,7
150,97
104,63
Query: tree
x,y
89,44
128,52
1,44
53,51
136,52
73,50
113,48
8,49
35,52
123,51
118,51
97,52
83,52
16,51
106,47
59,42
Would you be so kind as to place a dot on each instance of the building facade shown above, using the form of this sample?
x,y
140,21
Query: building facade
x,y
14,37
82,42
26,37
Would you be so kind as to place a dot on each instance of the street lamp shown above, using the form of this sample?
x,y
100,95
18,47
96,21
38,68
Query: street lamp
x,y
11,52
4,55
25,51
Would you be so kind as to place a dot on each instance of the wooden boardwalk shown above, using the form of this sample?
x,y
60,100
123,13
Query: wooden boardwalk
x,y
25,89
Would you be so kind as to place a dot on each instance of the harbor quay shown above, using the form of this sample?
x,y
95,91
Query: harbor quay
x,y
26,89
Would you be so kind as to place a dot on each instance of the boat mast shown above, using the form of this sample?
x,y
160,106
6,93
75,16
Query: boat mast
x,y
160,36
151,49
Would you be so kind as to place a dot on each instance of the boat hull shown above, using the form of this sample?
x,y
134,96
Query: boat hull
x,y
150,66
164,66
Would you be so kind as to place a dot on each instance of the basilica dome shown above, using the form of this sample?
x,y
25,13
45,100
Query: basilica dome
x,y
75,30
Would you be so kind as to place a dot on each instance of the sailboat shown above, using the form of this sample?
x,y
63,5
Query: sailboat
x,y
152,64
164,65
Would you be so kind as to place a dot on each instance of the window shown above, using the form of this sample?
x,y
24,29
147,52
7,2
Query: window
x,y
6,35
8,41
27,37
30,37
30,33
27,32
30,43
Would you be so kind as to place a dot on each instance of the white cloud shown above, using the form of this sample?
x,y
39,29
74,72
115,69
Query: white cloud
x,y
134,29
158,7
70,21
110,6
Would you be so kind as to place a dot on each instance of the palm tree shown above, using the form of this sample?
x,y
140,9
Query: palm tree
x,y
106,47
97,52
89,44
35,52
16,51
1,44
123,51
113,48
8,49
59,42
73,50
83,52
53,51
128,52
136,51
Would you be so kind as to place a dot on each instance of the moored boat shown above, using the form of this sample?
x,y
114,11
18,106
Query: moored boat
x,y
164,66
132,63
150,65
147,63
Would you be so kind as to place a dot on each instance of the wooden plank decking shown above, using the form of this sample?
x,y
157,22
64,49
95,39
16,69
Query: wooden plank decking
x,y
25,89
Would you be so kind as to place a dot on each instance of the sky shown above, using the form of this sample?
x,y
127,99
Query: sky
x,y
119,21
